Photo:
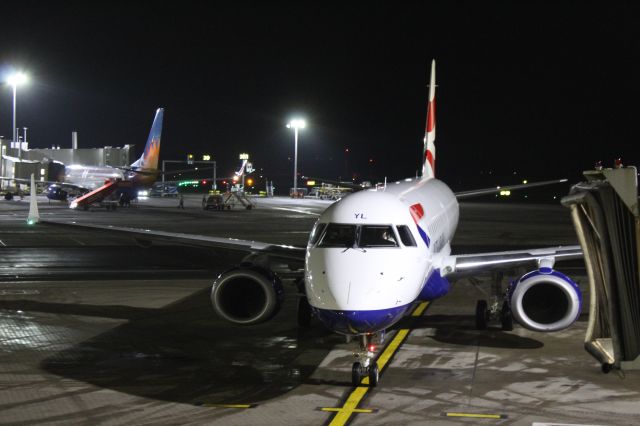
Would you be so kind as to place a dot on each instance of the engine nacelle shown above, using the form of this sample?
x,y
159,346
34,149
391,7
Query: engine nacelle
x,y
247,295
545,300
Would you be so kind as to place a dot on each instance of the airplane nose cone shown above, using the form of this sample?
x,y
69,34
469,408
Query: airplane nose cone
x,y
355,279
346,298
333,279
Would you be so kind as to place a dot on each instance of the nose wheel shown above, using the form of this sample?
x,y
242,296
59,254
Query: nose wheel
x,y
358,372
374,375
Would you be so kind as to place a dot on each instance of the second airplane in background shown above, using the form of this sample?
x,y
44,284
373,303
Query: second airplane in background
x,y
119,184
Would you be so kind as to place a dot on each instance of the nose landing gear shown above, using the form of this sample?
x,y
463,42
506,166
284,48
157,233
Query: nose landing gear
x,y
365,366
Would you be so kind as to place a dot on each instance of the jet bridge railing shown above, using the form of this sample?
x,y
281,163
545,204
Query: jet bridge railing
x,y
604,210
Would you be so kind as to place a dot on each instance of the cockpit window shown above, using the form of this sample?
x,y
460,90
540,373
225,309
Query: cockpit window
x,y
405,236
377,236
339,235
360,236
317,231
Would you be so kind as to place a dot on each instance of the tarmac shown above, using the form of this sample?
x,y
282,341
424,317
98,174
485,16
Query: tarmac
x,y
98,330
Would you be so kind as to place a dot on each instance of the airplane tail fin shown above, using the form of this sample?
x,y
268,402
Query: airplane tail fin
x,y
429,152
151,154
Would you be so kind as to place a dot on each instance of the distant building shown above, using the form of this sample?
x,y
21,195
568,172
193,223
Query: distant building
x,y
47,164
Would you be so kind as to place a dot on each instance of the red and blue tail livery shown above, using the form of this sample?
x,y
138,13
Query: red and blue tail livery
x,y
429,152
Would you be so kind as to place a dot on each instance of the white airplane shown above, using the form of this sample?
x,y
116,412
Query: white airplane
x,y
372,255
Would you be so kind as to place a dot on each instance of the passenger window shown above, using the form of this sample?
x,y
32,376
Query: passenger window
x,y
377,236
315,234
405,236
338,235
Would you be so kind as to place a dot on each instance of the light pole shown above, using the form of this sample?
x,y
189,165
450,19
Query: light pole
x,y
15,80
295,125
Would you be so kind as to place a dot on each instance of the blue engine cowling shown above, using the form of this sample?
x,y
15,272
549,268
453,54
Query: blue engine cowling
x,y
545,300
247,295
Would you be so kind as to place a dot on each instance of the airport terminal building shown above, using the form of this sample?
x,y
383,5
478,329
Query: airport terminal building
x,y
48,164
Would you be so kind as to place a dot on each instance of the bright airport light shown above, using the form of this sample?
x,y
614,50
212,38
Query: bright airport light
x,y
296,124
17,78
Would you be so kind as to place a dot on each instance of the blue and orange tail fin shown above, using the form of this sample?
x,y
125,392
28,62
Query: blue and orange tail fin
x,y
429,152
151,154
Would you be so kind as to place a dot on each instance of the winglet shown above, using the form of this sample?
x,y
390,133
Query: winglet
x,y
429,152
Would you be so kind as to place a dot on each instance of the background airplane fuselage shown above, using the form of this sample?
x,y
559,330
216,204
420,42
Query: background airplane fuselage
x,y
90,177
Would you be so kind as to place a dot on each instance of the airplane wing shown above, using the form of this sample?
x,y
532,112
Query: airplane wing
x,y
148,172
458,265
47,182
470,263
145,237
26,181
487,191
462,194
463,264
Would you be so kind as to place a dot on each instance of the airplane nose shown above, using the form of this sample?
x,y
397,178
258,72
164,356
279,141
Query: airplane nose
x,y
325,287
335,280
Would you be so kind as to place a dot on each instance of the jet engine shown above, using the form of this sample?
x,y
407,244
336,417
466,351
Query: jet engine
x,y
247,295
545,300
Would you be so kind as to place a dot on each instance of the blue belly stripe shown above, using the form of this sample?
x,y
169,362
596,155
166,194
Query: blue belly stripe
x,y
360,322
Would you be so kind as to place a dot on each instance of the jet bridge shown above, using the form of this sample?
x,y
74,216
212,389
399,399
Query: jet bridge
x,y
605,214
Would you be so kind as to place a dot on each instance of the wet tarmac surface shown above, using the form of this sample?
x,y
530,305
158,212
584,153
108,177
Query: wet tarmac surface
x,y
96,329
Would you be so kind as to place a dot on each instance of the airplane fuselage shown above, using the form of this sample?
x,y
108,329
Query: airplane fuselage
x,y
371,255
93,177
90,177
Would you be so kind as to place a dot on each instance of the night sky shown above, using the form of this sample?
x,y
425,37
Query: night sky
x,y
542,89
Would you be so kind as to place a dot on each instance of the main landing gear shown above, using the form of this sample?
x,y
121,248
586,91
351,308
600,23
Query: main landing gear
x,y
498,310
495,312
365,366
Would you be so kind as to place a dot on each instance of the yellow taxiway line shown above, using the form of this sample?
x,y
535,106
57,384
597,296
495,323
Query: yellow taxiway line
x,y
476,415
350,407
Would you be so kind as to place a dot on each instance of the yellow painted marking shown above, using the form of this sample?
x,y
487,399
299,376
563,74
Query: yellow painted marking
x,y
475,416
386,355
419,310
229,405
350,406
355,410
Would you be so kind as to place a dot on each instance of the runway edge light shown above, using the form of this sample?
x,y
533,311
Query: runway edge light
x,y
34,216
